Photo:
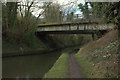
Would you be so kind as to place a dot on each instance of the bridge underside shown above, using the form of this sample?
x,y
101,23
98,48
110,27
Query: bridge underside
x,y
70,32
90,28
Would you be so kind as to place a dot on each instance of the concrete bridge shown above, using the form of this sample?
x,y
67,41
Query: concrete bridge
x,y
73,28
70,28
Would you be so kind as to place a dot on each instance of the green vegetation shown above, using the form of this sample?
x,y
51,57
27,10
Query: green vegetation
x,y
100,60
19,28
60,68
85,65
11,49
70,40
85,10
54,8
104,12
19,25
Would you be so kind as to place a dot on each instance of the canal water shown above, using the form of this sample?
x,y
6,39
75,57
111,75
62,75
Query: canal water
x,y
34,66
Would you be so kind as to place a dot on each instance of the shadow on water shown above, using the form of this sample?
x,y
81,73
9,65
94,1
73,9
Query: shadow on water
x,y
34,66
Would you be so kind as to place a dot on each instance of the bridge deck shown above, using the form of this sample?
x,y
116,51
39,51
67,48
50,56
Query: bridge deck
x,y
67,32
64,24
73,28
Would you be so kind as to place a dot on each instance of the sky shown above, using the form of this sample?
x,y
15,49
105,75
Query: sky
x,y
67,1
73,7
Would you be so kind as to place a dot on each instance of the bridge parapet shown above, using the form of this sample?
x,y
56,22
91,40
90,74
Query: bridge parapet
x,y
68,27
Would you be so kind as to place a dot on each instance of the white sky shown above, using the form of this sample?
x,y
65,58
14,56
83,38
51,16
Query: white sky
x,y
37,11
67,1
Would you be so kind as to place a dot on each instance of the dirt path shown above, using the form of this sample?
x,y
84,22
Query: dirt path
x,y
75,70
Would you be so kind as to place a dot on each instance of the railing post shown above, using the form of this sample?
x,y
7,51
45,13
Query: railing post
x,y
77,26
69,27
93,36
85,27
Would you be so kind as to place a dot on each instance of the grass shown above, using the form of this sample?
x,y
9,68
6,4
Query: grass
x,y
60,68
100,60
87,67
84,65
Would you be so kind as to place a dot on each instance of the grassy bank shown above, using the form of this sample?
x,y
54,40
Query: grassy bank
x,y
99,58
85,65
60,68
17,49
13,48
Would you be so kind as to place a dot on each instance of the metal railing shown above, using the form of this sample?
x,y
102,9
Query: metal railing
x,y
75,27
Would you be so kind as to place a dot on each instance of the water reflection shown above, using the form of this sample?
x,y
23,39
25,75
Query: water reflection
x,y
34,66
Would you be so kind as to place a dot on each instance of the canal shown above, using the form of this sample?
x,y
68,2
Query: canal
x,y
34,66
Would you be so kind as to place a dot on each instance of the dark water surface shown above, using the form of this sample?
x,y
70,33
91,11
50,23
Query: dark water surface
x,y
34,66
